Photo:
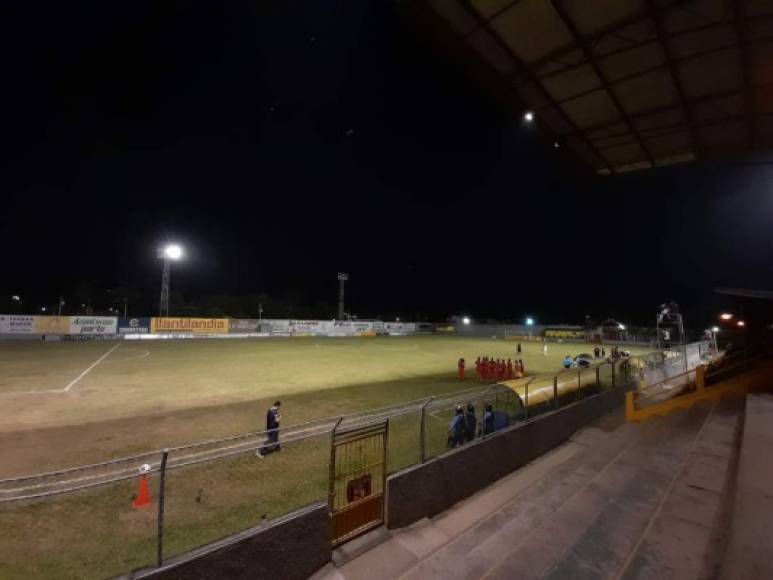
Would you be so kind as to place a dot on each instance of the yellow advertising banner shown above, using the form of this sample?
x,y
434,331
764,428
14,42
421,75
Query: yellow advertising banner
x,y
52,324
189,325
564,333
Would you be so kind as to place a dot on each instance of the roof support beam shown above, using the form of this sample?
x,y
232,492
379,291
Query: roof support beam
x,y
592,39
665,42
580,41
742,28
529,74
673,62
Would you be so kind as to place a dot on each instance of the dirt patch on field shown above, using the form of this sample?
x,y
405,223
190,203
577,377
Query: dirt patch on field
x,y
33,451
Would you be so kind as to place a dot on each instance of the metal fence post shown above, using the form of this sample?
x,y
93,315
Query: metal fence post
x,y
613,376
331,489
579,385
555,392
598,377
161,498
526,407
423,431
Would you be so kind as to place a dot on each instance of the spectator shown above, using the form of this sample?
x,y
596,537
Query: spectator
x,y
567,361
488,421
471,421
457,429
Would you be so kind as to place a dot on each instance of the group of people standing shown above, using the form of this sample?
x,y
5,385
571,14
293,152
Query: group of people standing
x,y
498,369
463,427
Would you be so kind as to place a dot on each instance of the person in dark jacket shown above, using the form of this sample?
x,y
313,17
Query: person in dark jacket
x,y
471,421
271,444
488,420
457,430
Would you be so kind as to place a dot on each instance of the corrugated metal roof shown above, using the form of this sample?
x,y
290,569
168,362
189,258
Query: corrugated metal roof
x,y
631,84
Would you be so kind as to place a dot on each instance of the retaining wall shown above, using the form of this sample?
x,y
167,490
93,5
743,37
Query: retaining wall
x,y
426,490
292,547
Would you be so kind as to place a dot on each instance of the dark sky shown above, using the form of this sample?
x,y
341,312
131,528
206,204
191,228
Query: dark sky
x,y
281,142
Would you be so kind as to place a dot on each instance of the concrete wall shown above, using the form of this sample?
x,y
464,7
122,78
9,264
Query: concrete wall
x,y
426,490
292,547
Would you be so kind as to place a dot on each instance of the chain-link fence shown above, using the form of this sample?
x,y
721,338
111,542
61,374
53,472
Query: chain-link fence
x,y
105,519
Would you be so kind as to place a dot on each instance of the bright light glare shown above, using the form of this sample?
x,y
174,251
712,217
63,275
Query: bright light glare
x,y
741,323
173,252
529,321
621,326
15,298
726,316
466,320
528,116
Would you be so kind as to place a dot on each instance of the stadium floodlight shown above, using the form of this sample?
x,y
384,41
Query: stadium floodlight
x,y
466,320
173,252
528,116
621,326
715,329
169,253
42,308
529,321
741,323
726,316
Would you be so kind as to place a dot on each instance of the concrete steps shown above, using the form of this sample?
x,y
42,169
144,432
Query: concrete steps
x,y
620,500
685,537
749,548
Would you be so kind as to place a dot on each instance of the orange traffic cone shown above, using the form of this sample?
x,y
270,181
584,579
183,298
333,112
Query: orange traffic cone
x,y
143,497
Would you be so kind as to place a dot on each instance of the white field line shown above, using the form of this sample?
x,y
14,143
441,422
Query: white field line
x,y
69,386
88,370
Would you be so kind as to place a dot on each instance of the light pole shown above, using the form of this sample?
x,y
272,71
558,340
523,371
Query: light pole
x,y
529,323
342,278
170,253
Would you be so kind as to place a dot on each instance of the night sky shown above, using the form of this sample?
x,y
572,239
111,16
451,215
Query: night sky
x,y
282,142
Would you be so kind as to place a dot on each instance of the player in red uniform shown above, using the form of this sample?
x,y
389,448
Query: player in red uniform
x,y
509,369
460,366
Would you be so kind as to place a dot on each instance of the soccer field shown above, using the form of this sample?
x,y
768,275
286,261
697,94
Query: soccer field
x,y
71,403
74,403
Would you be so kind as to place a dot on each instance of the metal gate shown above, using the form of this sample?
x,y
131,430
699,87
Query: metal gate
x,y
357,480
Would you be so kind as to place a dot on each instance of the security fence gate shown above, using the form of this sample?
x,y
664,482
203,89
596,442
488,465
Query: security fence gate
x,y
358,480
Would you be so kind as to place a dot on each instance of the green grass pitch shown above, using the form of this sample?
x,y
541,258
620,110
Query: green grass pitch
x,y
60,409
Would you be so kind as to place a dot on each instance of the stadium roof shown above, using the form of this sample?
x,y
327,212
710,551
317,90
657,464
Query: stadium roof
x,y
631,84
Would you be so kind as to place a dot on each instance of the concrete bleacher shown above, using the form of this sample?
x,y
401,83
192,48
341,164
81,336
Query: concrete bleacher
x,y
749,552
658,499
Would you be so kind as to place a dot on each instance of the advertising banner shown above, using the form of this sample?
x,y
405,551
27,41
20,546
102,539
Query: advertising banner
x,y
16,324
93,325
275,327
564,333
190,325
313,327
351,328
52,324
133,325
399,328
243,325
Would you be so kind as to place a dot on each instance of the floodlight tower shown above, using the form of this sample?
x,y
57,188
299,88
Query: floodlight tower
x,y
342,278
170,253
669,319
